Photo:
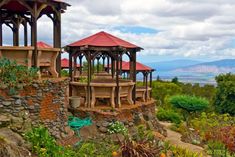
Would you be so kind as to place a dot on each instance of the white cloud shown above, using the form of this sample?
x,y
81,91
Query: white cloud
x,y
190,28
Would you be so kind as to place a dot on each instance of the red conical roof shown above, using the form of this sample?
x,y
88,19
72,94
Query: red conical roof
x,y
65,63
139,67
42,44
103,39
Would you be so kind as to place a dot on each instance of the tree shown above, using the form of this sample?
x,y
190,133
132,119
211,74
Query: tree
x,y
175,80
225,95
189,104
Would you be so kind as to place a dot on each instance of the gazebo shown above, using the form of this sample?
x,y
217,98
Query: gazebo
x,y
14,13
111,49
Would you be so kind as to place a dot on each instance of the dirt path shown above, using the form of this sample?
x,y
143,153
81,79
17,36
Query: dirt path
x,y
175,139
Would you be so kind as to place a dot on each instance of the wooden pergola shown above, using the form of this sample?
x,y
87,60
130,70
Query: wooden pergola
x,y
14,13
108,47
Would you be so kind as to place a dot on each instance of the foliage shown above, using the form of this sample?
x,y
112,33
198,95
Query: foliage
x,y
169,115
175,80
96,148
225,134
162,90
189,103
180,152
208,121
217,149
45,145
64,73
225,96
143,134
117,127
132,148
12,75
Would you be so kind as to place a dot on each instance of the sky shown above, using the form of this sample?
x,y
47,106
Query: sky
x,y
166,29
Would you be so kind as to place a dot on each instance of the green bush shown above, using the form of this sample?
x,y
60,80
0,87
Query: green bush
x,y
64,73
169,115
13,75
225,96
117,127
44,145
189,103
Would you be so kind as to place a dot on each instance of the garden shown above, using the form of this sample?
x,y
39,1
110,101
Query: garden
x,y
203,115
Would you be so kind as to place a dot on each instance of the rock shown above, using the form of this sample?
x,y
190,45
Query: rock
x,y
18,102
103,130
105,124
17,123
4,120
6,103
149,125
11,136
87,132
117,138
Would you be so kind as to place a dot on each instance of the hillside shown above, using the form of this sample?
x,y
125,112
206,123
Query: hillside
x,y
216,67
171,65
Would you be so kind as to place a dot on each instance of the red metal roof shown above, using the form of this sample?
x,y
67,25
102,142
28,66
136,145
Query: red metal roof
x,y
41,44
16,6
65,63
139,67
103,39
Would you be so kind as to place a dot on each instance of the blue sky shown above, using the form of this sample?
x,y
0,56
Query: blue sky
x,y
166,29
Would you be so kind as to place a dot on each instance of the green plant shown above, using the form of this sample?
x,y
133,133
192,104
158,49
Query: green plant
x,y
117,127
143,134
217,149
45,145
180,152
64,73
169,115
189,104
225,95
12,75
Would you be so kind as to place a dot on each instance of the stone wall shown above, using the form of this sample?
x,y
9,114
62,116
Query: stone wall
x,y
43,102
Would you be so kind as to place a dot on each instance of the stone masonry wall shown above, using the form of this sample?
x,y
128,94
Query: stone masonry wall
x,y
43,102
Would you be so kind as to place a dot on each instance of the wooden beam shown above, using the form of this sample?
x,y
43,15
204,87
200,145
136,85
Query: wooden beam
x,y
25,33
151,82
118,103
34,34
80,62
89,80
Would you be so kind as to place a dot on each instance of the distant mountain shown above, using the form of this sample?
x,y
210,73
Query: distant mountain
x,y
215,67
174,64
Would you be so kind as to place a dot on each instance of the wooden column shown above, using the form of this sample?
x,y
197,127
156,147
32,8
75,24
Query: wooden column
x,y
108,64
70,71
146,86
80,63
112,67
16,33
25,33
103,57
34,35
75,66
57,38
151,82
98,64
133,73
118,103
89,80
1,22
120,71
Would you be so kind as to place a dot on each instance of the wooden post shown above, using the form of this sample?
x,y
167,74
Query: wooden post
x,y
143,78
1,22
75,66
134,74
103,57
34,35
57,38
25,33
98,64
112,67
151,82
120,72
117,81
80,63
89,80
16,33
108,64
70,72
146,86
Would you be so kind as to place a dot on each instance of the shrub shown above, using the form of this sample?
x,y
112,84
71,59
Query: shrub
x,y
225,96
12,75
117,127
180,152
45,145
189,103
64,73
169,115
